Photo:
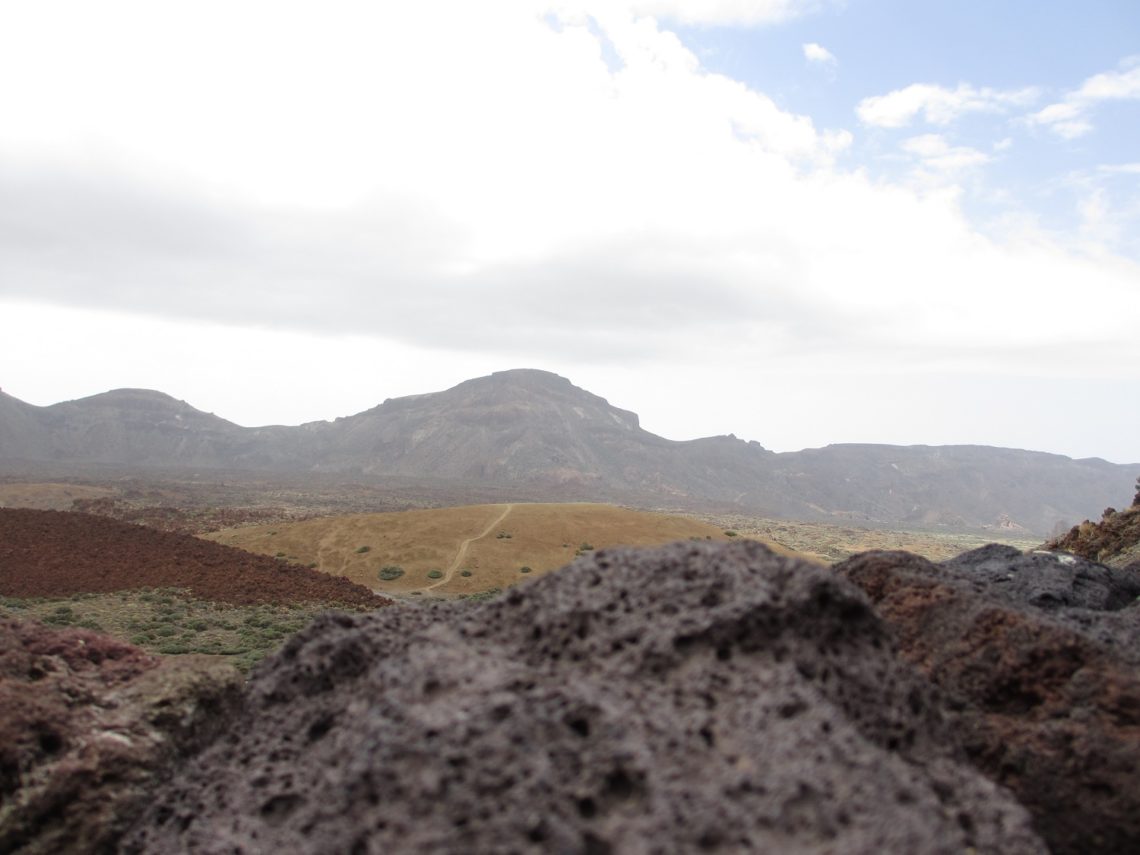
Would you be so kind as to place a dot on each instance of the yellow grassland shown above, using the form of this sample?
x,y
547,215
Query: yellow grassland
x,y
491,542
48,496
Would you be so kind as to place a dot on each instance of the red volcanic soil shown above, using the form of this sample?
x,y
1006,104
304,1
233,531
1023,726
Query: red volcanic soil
x,y
58,553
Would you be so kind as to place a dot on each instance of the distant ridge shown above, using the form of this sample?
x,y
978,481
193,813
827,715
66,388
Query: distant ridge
x,y
533,429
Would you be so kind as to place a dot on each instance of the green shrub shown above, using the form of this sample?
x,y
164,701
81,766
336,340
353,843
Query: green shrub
x,y
483,595
503,534
360,550
390,572
585,547
279,555
731,534
435,574
524,569
464,573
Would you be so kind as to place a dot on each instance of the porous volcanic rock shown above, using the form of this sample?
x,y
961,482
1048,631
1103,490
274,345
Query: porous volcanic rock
x,y
88,725
692,697
1041,654
57,553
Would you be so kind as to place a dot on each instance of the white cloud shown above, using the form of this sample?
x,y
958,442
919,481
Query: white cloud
x,y
1068,118
749,12
938,104
495,193
936,153
818,53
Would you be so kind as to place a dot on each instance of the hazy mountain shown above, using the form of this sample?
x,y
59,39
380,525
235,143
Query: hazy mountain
x,y
535,429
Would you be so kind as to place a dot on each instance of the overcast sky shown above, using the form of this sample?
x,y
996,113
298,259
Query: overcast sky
x,y
799,221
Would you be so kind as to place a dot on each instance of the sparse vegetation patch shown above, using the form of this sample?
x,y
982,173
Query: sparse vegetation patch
x,y
390,572
171,622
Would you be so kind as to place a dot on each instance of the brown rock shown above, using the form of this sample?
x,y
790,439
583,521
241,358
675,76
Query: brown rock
x,y
696,697
1040,653
88,725
57,553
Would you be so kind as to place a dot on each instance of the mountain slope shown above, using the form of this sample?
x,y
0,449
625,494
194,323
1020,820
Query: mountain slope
x,y
533,430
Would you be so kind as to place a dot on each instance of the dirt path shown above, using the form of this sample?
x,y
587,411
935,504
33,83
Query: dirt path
x,y
462,552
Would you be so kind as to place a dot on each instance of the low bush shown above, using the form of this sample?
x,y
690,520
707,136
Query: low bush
x,y
465,573
390,572
524,569
360,550
435,574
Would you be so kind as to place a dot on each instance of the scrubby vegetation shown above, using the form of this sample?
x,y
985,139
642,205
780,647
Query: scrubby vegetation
x,y
390,572
169,621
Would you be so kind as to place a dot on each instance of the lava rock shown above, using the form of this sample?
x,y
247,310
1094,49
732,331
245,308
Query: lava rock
x,y
58,553
692,697
88,725
1040,654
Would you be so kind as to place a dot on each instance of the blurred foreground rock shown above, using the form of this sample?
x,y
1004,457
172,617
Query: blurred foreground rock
x,y
1040,655
88,726
693,697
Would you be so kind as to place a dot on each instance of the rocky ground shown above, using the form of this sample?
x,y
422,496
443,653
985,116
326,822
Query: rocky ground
x,y
1115,540
697,697
1039,659
88,727
694,697
49,553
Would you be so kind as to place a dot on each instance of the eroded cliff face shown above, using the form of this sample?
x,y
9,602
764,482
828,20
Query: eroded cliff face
x,y
693,697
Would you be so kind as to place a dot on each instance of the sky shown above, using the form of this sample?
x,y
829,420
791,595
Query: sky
x,y
802,222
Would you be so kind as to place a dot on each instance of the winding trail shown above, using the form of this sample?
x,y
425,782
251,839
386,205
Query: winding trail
x,y
462,552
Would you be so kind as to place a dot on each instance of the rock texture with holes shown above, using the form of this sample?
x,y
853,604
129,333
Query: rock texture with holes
x,y
87,727
1041,654
693,697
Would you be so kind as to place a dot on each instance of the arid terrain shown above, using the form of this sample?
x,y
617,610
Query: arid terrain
x,y
463,550
529,435
641,687
168,593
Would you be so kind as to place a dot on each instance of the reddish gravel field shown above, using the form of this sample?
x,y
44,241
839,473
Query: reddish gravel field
x,y
58,553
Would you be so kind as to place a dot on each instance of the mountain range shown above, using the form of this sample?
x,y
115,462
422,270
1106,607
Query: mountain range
x,y
535,431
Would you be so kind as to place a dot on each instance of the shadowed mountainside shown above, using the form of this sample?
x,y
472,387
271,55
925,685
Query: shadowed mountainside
x,y
534,430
